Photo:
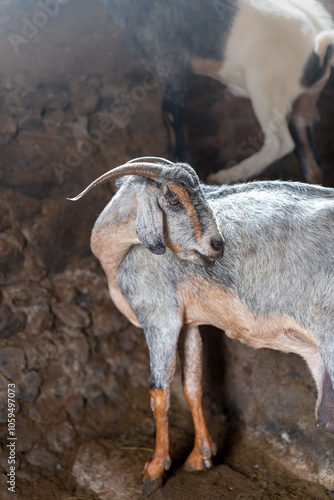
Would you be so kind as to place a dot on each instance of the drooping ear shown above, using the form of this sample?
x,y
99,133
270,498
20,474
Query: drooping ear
x,y
149,221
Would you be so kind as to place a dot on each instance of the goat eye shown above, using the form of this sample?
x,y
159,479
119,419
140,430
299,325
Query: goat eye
x,y
174,201
172,198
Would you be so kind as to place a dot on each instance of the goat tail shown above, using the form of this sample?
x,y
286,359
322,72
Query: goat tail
x,y
322,43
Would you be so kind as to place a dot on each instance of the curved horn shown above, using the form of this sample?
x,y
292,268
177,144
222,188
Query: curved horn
x,y
152,158
145,169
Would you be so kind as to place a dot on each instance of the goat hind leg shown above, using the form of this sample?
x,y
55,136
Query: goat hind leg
x,y
303,116
190,347
277,140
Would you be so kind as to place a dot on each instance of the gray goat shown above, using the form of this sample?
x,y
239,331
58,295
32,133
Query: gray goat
x,y
255,260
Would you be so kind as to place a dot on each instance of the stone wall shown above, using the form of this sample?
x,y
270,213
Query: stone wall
x,y
78,365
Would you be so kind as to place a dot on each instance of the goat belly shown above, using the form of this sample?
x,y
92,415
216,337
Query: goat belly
x,y
203,304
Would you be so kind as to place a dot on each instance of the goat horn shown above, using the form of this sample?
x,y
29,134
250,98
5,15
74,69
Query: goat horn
x,y
161,160
145,169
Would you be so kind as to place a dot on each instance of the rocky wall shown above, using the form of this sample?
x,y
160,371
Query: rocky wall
x,y
72,105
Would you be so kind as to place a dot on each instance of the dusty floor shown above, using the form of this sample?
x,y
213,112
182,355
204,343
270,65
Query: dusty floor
x,y
242,470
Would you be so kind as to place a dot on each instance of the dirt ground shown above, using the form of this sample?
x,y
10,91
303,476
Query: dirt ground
x,y
81,371
112,464
242,470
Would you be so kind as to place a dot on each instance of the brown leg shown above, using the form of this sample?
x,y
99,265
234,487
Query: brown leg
x,y
154,467
191,358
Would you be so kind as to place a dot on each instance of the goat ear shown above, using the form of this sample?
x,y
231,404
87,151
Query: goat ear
x,y
149,222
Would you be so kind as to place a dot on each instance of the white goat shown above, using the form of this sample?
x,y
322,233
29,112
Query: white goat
x,y
274,52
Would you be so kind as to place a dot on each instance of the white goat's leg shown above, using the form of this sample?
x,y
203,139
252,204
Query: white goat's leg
x,y
277,143
190,346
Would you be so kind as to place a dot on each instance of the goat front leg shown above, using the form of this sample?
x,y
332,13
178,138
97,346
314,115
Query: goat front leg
x,y
190,347
174,98
162,343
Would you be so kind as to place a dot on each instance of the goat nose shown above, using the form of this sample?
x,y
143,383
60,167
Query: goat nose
x,y
217,243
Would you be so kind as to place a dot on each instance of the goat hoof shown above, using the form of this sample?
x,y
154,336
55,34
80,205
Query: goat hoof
x,y
208,463
219,178
151,486
225,176
197,462
199,465
212,179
